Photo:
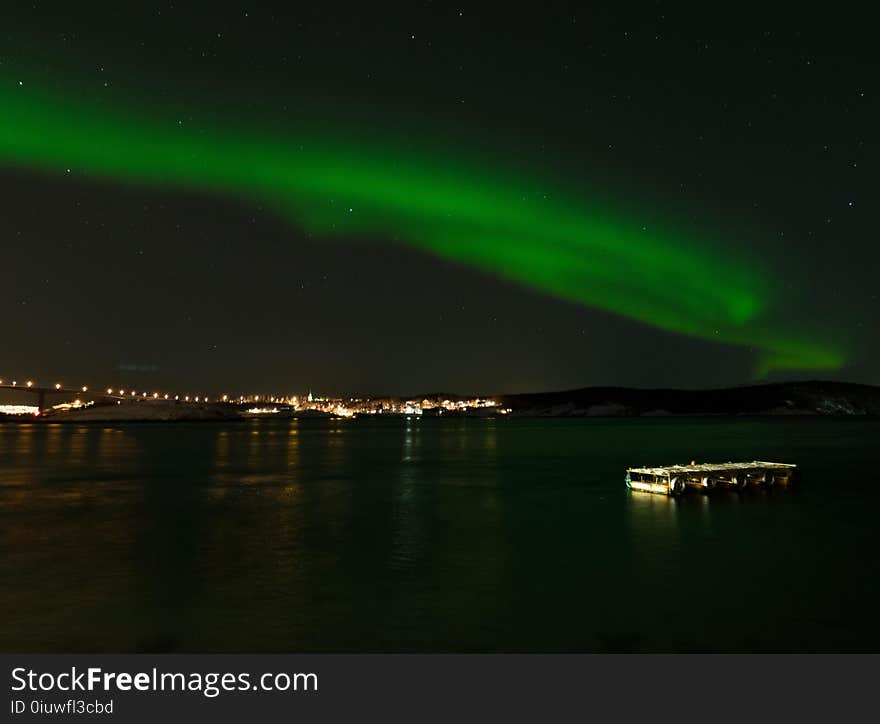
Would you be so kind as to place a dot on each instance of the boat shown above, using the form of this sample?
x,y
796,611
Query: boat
x,y
677,479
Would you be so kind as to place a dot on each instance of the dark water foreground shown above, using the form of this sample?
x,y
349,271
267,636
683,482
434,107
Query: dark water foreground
x,y
432,535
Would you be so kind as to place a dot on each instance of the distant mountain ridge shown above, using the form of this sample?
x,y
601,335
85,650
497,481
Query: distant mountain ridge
x,y
783,398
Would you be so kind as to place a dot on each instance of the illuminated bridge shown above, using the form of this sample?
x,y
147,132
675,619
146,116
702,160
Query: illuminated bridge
x,y
111,393
56,389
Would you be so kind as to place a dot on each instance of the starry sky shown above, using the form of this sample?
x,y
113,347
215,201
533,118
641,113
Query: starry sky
x,y
430,196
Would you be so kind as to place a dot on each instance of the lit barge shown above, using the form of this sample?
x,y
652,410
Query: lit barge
x,y
676,479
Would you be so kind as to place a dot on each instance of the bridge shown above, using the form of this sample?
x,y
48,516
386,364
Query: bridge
x,y
57,389
42,391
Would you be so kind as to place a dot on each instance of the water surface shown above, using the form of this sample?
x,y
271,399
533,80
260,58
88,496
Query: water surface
x,y
433,535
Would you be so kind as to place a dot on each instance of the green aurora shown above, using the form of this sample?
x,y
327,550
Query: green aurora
x,y
461,212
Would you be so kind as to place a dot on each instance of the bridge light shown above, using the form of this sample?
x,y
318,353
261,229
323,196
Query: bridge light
x,y
29,383
155,395
109,390
166,397
85,389
57,385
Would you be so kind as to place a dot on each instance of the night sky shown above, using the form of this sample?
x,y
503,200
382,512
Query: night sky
x,y
432,197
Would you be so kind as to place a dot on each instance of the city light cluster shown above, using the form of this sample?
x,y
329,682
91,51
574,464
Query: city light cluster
x,y
259,404
362,406
19,410
75,405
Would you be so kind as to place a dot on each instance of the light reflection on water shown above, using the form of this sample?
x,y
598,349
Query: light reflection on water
x,y
285,535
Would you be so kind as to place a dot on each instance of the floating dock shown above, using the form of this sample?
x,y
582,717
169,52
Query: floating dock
x,y
676,479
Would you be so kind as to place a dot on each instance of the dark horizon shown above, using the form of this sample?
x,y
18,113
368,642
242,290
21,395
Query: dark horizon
x,y
21,394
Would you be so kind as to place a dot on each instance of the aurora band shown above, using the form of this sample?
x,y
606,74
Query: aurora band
x,y
463,213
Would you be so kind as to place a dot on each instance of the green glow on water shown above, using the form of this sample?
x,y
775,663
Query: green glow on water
x,y
446,207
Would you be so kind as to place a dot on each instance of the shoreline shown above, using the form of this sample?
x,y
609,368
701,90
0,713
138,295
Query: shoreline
x,y
787,399
65,420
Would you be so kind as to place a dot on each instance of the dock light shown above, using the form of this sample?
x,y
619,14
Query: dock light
x,y
29,383
57,385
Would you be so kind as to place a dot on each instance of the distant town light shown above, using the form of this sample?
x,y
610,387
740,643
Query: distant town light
x,y
19,410
77,403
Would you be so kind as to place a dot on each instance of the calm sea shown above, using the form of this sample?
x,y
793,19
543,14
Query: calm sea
x,y
433,535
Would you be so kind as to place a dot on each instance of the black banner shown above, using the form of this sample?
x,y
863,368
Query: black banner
x,y
168,688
